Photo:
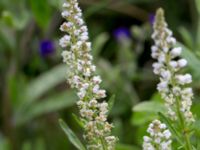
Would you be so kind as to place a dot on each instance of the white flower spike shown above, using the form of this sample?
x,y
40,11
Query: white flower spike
x,y
159,137
82,77
172,84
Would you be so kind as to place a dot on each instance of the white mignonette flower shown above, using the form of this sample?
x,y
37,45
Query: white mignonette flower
x,y
184,79
171,84
162,86
82,76
159,137
176,52
65,41
182,63
65,14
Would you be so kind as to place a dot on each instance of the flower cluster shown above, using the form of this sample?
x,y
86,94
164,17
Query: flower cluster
x,y
173,86
82,77
159,137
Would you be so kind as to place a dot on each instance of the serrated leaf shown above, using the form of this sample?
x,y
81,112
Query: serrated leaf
x,y
71,136
51,104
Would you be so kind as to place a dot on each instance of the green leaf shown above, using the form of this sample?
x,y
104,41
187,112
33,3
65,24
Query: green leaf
x,y
111,102
140,118
51,104
41,12
4,143
98,44
169,124
126,147
198,6
57,4
149,106
193,61
39,86
7,38
13,21
197,46
78,120
71,136
26,145
186,36
146,111
95,8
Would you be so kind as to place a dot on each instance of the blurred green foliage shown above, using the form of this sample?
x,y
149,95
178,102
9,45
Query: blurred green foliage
x,y
34,93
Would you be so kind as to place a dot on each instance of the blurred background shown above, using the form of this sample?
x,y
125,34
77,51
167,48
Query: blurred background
x,y
33,89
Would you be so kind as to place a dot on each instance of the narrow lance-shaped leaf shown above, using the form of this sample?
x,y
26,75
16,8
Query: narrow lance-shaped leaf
x,y
111,102
51,104
71,136
78,120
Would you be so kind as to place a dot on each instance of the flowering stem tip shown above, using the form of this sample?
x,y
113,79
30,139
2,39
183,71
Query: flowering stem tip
x,y
174,86
82,76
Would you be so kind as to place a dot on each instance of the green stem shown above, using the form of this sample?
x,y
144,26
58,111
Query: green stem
x,y
188,145
103,144
183,125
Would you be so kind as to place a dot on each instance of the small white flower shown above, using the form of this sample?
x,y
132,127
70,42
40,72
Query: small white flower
x,y
167,134
162,86
184,79
146,139
65,14
176,52
66,5
96,79
154,49
163,126
81,94
173,64
161,57
157,67
87,72
166,74
159,137
65,41
81,76
65,26
101,93
182,63
84,38
171,40
95,89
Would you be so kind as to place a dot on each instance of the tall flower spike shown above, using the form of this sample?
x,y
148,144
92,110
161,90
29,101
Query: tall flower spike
x,y
173,86
82,77
159,137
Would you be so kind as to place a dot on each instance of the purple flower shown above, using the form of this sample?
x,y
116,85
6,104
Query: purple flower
x,y
46,47
121,33
151,18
